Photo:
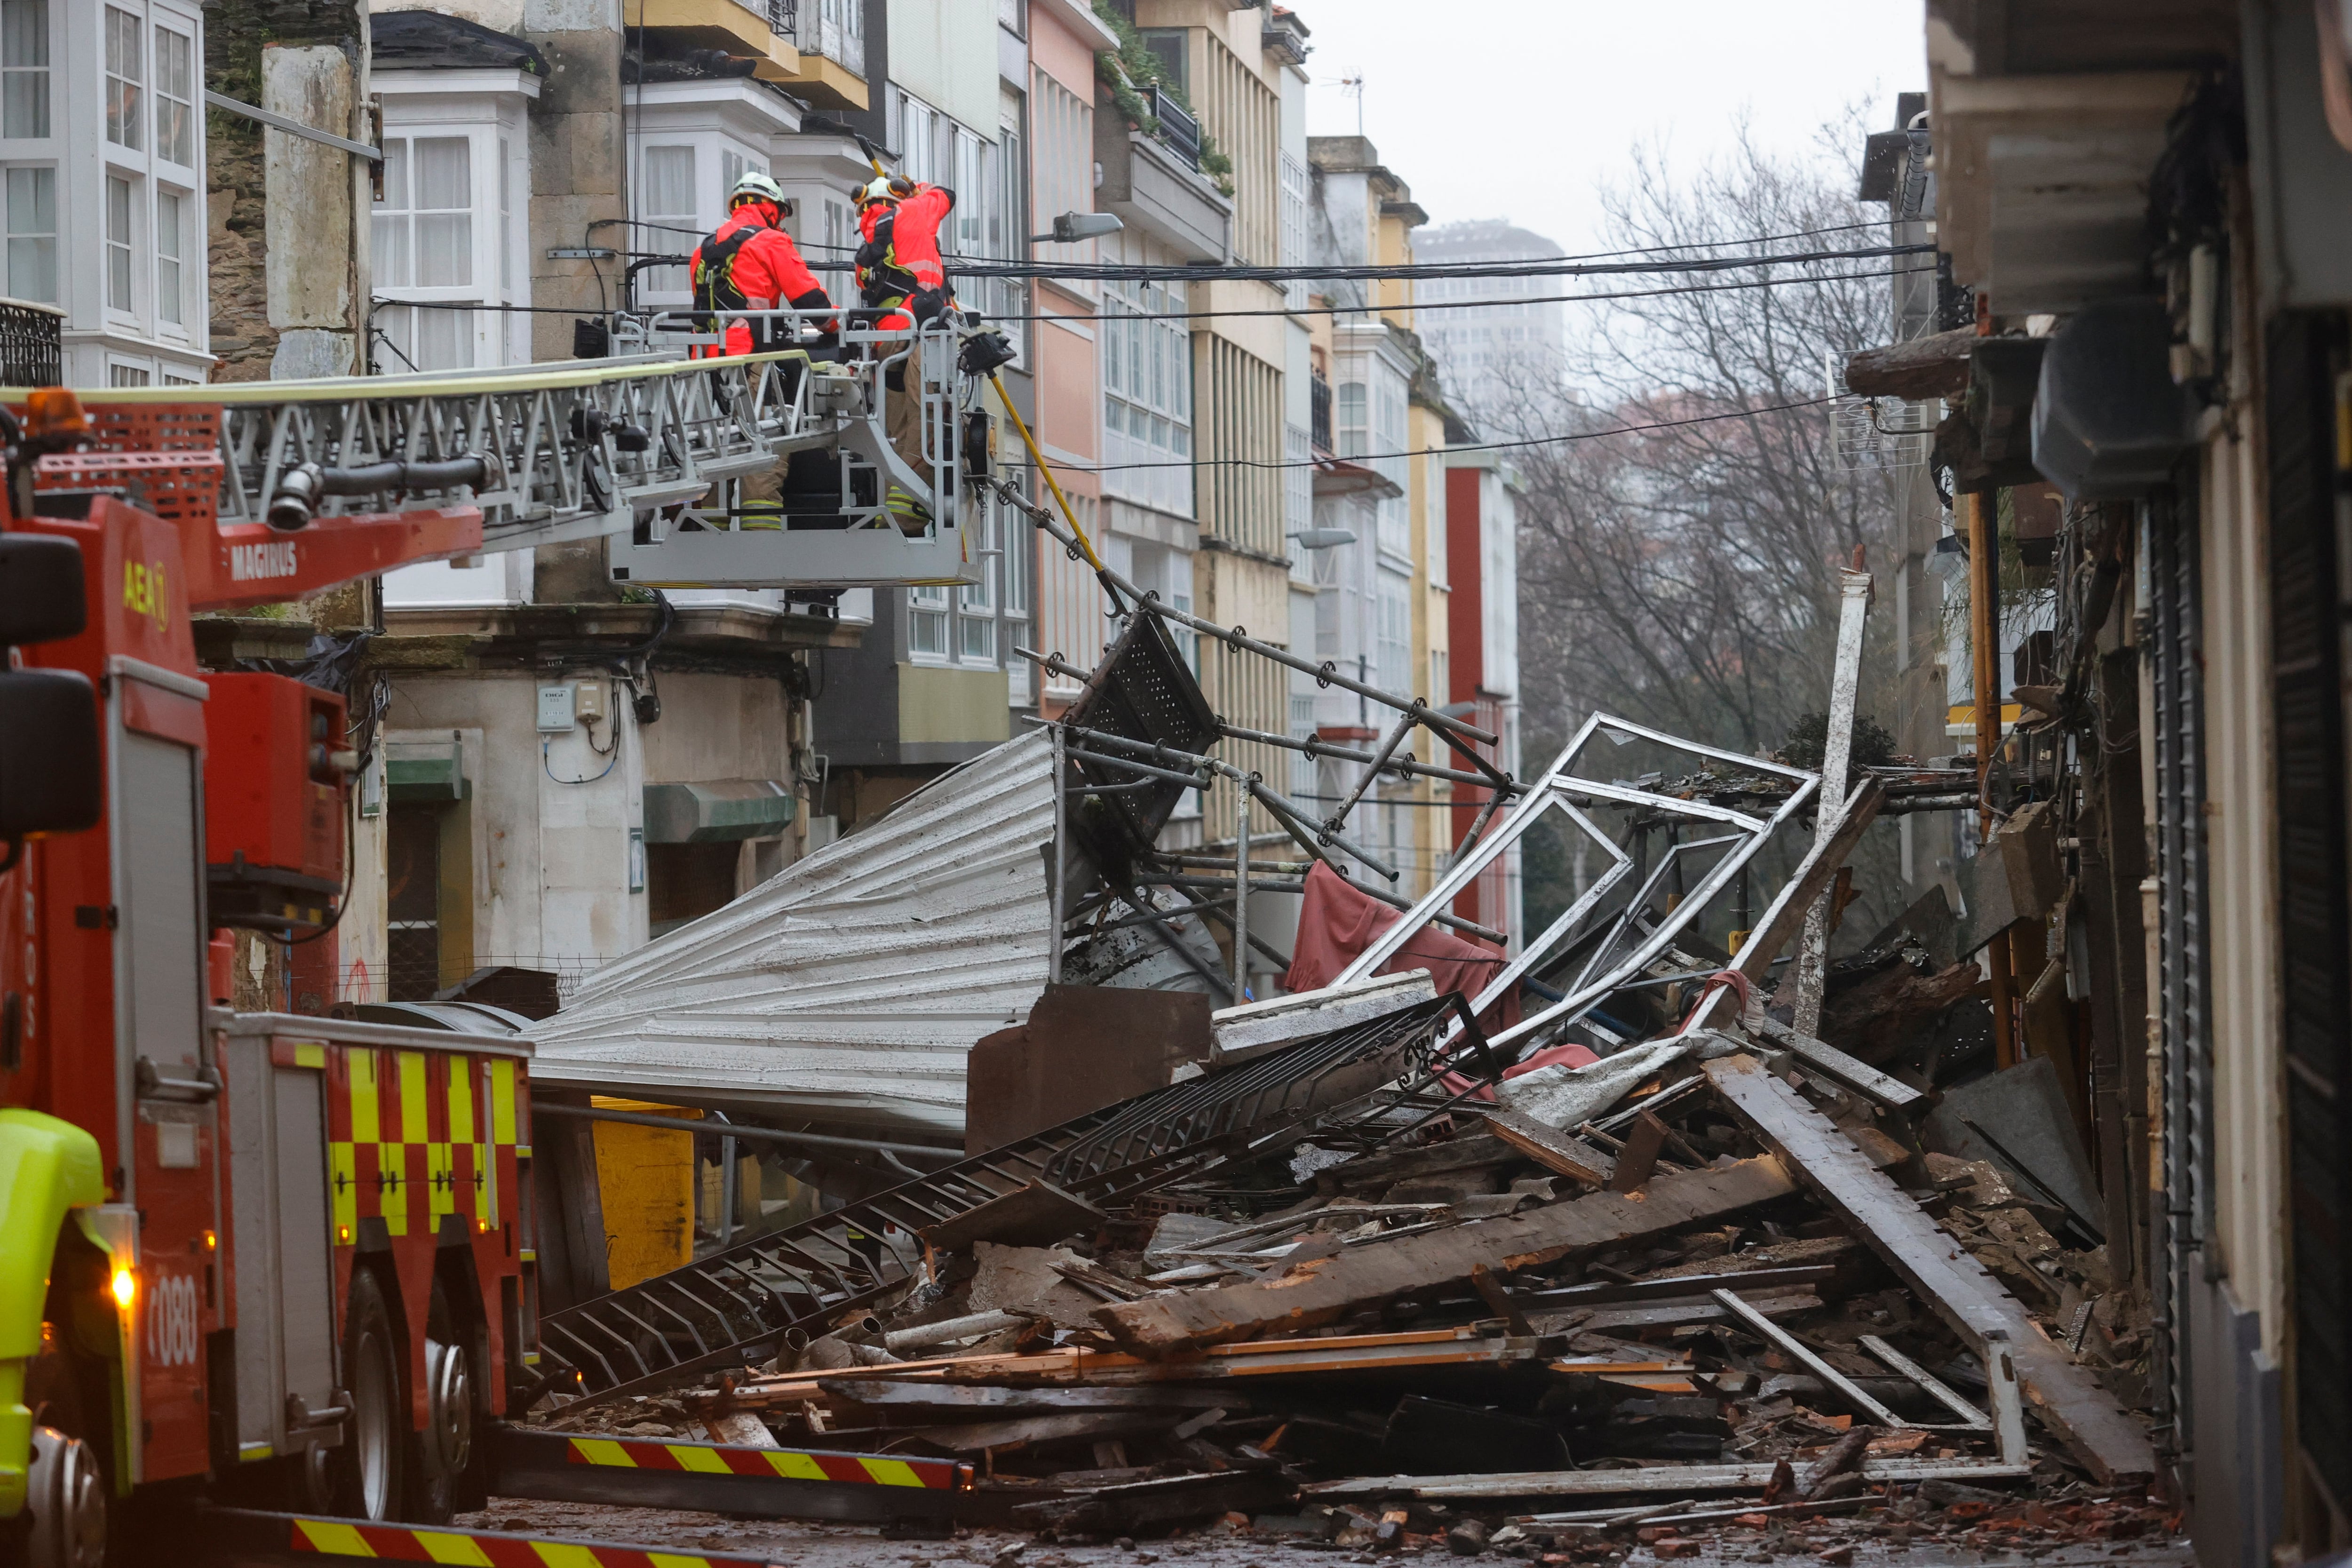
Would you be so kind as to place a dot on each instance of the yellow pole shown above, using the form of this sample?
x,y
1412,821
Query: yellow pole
x,y
1984,637
1051,483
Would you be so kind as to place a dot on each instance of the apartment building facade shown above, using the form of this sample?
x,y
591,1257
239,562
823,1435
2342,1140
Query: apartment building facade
x,y
2189,290
1388,416
103,160
1494,339
720,733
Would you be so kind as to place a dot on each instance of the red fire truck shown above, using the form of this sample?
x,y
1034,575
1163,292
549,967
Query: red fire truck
x,y
272,1259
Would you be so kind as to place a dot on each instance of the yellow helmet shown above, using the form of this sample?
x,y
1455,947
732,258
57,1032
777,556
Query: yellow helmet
x,y
885,188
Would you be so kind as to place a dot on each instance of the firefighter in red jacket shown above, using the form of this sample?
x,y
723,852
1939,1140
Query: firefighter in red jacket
x,y
901,276
751,263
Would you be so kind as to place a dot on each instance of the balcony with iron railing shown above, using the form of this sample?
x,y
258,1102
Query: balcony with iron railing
x,y
1179,132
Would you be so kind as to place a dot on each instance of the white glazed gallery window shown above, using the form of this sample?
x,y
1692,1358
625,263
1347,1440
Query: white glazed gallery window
x,y
927,623
119,202
423,238
172,237
32,217
1392,647
1389,438
23,67
175,97
125,78
1146,396
669,200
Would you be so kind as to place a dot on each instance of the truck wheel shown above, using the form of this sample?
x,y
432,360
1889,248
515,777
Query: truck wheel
x,y
371,1465
445,1450
67,1498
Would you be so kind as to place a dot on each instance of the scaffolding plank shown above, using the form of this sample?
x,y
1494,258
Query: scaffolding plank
x,y
2086,1418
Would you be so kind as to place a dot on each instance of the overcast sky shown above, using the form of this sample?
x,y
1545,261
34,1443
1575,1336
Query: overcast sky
x,y
1518,109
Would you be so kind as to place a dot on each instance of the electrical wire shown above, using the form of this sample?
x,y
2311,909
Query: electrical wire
x,y
545,760
1443,451
1420,305
1139,272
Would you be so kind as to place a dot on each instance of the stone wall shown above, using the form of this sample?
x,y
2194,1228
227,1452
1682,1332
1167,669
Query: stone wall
x,y
236,33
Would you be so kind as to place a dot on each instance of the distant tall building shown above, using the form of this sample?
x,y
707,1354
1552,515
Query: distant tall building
x,y
1472,343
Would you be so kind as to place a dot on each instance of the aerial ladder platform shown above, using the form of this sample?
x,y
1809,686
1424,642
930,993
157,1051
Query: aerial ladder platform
x,y
646,449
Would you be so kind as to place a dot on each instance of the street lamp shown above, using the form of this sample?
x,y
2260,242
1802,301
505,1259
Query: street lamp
x,y
1321,538
1071,227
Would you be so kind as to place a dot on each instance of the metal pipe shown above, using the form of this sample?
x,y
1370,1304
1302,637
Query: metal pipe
x,y
1315,748
1187,780
1371,774
726,1191
969,1327
752,1134
1286,885
1061,853
1241,898
1235,636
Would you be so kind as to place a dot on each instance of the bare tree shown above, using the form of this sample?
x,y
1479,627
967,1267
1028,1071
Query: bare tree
x,y
1685,575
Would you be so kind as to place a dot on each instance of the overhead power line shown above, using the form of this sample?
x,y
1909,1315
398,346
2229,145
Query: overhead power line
x,y
1443,451
1125,272
1420,305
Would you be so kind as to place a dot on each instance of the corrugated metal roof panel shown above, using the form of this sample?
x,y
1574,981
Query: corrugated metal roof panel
x,y
851,984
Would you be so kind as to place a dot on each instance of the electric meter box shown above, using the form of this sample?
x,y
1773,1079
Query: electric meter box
x,y
555,711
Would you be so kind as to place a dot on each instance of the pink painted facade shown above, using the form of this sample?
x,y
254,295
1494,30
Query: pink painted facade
x,y
1068,380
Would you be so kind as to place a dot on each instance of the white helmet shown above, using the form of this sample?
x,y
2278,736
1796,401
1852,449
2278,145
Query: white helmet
x,y
756,185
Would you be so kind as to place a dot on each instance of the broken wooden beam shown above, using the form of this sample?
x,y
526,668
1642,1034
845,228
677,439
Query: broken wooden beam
x,y
1558,1152
1326,1289
1639,1159
1933,366
1844,1070
2094,1427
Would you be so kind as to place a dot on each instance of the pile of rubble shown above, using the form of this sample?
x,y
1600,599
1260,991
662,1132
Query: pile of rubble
x,y
1733,1298
1601,1249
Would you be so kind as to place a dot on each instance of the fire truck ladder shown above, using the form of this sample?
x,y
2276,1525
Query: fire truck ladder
x,y
1367,1082
647,449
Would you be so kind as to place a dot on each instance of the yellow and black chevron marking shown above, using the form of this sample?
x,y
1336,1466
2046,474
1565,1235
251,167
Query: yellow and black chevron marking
x,y
302,1535
790,1464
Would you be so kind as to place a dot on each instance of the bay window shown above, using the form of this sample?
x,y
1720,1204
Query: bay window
x,y
446,240
102,119
170,247
1146,396
667,199
23,67
32,202
124,56
119,194
175,97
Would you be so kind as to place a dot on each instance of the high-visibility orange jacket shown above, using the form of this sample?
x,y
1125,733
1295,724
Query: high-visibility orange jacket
x,y
750,264
900,257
